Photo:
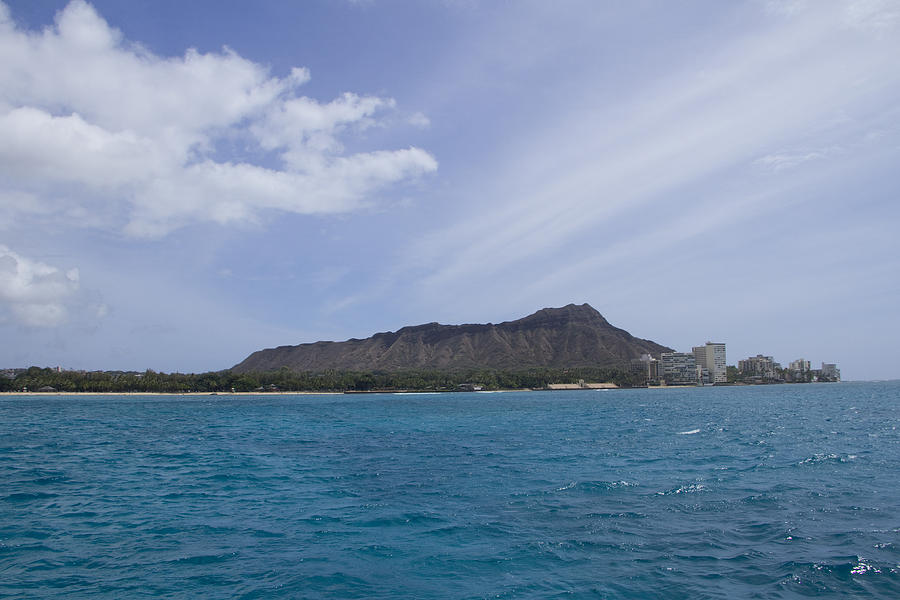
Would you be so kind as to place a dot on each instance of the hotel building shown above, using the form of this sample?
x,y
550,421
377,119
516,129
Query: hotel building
x,y
712,358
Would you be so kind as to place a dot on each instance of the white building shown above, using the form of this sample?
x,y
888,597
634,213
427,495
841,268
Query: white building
x,y
712,358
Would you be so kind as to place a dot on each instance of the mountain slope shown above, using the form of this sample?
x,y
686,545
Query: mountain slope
x,y
571,336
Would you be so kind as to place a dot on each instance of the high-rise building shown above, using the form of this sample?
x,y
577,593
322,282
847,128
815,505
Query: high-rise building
x,y
758,366
801,365
647,366
799,371
678,368
699,353
712,358
829,372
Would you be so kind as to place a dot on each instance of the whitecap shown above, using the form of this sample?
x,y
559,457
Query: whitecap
x,y
691,432
684,489
819,458
864,567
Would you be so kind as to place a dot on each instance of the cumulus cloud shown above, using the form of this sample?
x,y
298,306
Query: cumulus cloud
x,y
94,122
38,145
229,192
34,293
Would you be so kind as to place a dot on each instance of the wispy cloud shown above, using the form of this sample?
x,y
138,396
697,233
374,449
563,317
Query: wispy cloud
x,y
793,83
881,17
789,159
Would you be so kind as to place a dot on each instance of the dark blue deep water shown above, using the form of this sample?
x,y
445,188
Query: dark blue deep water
x,y
753,492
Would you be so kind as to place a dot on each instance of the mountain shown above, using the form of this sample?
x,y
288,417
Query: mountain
x,y
571,336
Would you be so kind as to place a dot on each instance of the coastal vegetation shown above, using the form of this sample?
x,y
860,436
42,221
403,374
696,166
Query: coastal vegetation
x,y
45,379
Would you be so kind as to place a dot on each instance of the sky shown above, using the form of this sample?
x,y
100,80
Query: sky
x,y
183,183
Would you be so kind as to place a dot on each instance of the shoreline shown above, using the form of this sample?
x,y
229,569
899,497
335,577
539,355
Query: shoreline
x,y
169,393
292,393
402,392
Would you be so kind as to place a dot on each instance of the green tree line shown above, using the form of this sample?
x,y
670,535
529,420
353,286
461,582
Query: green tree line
x,y
35,378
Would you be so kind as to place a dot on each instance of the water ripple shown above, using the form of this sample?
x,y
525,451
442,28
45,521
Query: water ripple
x,y
768,492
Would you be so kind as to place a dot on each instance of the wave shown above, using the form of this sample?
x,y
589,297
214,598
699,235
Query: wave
x,y
825,458
684,489
596,486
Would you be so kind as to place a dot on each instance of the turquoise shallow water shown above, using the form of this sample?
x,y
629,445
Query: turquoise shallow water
x,y
754,492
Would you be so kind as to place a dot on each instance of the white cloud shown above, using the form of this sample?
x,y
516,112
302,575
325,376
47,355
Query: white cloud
x,y
80,106
304,124
226,192
419,120
35,293
38,146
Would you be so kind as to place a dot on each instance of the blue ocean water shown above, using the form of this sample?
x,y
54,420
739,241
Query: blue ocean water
x,y
751,492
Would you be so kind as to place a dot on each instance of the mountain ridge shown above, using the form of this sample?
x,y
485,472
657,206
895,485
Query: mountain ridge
x,y
570,336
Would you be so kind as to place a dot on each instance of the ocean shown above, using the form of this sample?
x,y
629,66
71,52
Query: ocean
x,y
787,491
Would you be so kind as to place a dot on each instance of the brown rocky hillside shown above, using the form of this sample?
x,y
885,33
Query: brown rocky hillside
x,y
571,336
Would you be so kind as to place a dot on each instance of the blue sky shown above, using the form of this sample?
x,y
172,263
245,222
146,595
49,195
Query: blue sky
x,y
184,183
